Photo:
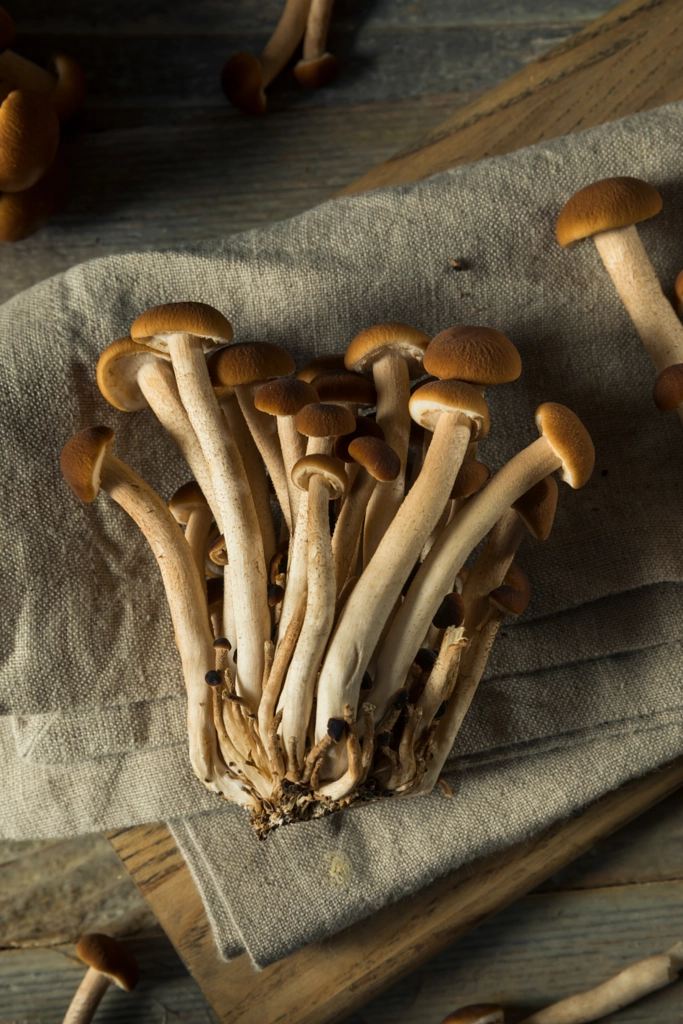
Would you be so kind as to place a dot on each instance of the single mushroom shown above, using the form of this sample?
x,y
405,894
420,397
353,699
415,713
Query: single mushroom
x,y
456,412
392,354
29,136
284,398
22,213
108,962
320,364
245,78
317,66
607,211
88,466
191,509
185,330
243,367
564,445
668,389
324,479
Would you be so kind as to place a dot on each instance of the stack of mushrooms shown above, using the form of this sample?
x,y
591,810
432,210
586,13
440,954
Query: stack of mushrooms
x,y
34,101
331,633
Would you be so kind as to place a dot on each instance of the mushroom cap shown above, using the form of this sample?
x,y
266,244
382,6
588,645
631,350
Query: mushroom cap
x,y
536,508
6,29
218,551
29,136
242,83
330,469
365,427
117,373
668,389
471,477
22,213
678,294
284,396
196,318
605,205
319,364
477,1013
374,342
71,88
322,419
375,455
428,403
451,611
81,460
569,439
109,957
317,71
514,594
479,355
249,361
187,499
345,386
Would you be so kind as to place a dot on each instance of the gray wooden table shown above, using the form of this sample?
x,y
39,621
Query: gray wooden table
x,y
158,157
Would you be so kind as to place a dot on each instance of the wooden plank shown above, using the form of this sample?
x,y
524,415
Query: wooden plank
x,y
629,60
324,982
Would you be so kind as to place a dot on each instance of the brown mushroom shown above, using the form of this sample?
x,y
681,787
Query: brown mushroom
x,y
678,294
22,213
191,509
320,364
317,67
109,962
29,136
668,389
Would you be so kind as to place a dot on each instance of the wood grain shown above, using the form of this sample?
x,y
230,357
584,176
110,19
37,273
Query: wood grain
x,y
324,982
629,60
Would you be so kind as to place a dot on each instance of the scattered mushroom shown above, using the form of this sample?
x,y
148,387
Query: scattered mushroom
x,y
22,213
317,67
109,962
29,136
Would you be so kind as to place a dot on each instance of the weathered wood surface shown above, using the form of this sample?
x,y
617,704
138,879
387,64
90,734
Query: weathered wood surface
x,y
326,981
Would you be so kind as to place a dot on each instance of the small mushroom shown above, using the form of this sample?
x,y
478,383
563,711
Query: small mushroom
x,y
320,364
678,294
22,213
607,211
191,509
109,962
317,67
29,136
343,387
668,389
245,78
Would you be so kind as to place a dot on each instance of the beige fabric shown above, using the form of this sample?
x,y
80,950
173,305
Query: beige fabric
x,y
584,693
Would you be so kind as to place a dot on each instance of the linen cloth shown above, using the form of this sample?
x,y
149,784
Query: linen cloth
x,y
581,695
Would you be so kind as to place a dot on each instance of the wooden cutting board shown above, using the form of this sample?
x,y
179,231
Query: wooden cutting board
x,y
629,60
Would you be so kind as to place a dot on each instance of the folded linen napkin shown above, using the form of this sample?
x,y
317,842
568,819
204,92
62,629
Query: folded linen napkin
x,y
90,632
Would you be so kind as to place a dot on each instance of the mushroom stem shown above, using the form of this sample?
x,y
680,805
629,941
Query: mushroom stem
x,y
435,577
442,677
271,691
197,534
349,525
24,74
317,28
264,431
633,983
284,40
490,567
293,446
87,996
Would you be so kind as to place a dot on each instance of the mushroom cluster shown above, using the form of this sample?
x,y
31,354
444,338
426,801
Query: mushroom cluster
x,y
34,101
331,635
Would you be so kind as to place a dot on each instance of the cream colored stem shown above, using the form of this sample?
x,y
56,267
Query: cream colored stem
x,y
24,74
296,700
196,535
293,445
236,506
350,524
157,383
436,575
285,39
624,988
490,567
279,667
442,677
392,382
369,606
317,27
255,470
87,997
264,431
187,605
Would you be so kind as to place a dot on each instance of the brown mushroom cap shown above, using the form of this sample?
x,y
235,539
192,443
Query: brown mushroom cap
x,y
242,83
218,551
478,355
605,205
29,136
570,440
81,460
536,508
317,72
70,89
678,294
471,477
374,342
196,318
345,386
375,455
330,469
6,29
514,594
451,611
365,427
22,213
117,370
109,957
187,499
284,396
450,396
249,361
479,1013
321,419
668,389
319,364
